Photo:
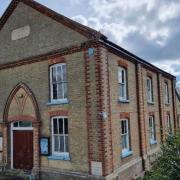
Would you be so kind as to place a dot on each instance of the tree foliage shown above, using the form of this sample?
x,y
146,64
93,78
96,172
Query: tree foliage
x,y
167,164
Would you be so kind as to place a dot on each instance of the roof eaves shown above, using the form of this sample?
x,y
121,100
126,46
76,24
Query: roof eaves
x,y
134,57
8,12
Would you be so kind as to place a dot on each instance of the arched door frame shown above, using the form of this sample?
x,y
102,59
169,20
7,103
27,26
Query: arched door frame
x,y
35,124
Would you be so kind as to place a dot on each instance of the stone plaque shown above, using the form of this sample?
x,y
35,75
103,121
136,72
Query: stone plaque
x,y
20,33
96,168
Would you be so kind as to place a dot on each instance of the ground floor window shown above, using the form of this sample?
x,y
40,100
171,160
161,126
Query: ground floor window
x,y
60,136
152,130
125,138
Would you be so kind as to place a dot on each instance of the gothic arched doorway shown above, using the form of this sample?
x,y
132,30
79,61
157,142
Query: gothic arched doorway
x,y
21,129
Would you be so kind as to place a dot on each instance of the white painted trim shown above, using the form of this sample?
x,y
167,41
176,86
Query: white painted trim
x,y
17,129
12,145
22,128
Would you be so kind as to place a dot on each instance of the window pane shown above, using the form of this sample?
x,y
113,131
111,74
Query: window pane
x,y
61,143
25,124
16,124
60,126
60,91
148,84
55,126
123,76
120,76
64,73
65,126
124,142
59,74
122,90
65,89
54,74
54,91
122,127
56,143
66,144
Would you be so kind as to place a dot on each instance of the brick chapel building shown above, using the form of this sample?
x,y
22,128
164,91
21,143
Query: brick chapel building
x,y
75,105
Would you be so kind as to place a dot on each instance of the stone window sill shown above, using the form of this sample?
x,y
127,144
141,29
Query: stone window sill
x,y
152,141
58,102
124,100
150,103
59,157
126,153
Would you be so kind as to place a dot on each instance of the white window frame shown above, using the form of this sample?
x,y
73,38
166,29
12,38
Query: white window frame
x,y
55,153
127,134
152,128
64,99
166,93
123,84
149,89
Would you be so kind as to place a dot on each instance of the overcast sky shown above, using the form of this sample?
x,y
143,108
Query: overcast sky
x,y
148,28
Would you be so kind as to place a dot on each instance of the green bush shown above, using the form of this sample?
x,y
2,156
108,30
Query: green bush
x,y
167,164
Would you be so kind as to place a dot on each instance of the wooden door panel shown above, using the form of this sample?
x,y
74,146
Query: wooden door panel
x,y
23,149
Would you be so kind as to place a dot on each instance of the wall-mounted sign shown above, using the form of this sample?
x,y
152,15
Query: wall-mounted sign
x,y
20,33
44,146
90,52
96,168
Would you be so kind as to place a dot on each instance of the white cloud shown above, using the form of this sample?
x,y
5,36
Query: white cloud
x,y
168,11
178,86
118,30
73,2
105,8
167,66
160,36
81,19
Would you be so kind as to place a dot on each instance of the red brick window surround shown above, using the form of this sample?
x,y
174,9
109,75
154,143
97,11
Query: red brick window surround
x,y
56,60
58,113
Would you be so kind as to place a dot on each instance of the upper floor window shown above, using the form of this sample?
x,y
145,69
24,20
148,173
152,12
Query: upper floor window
x,y
125,137
58,82
122,78
166,93
60,136
149,89
152,130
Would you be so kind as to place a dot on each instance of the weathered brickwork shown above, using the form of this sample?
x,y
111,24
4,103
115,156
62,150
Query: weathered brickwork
x,y
36,76
43,38
93,109
118,110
